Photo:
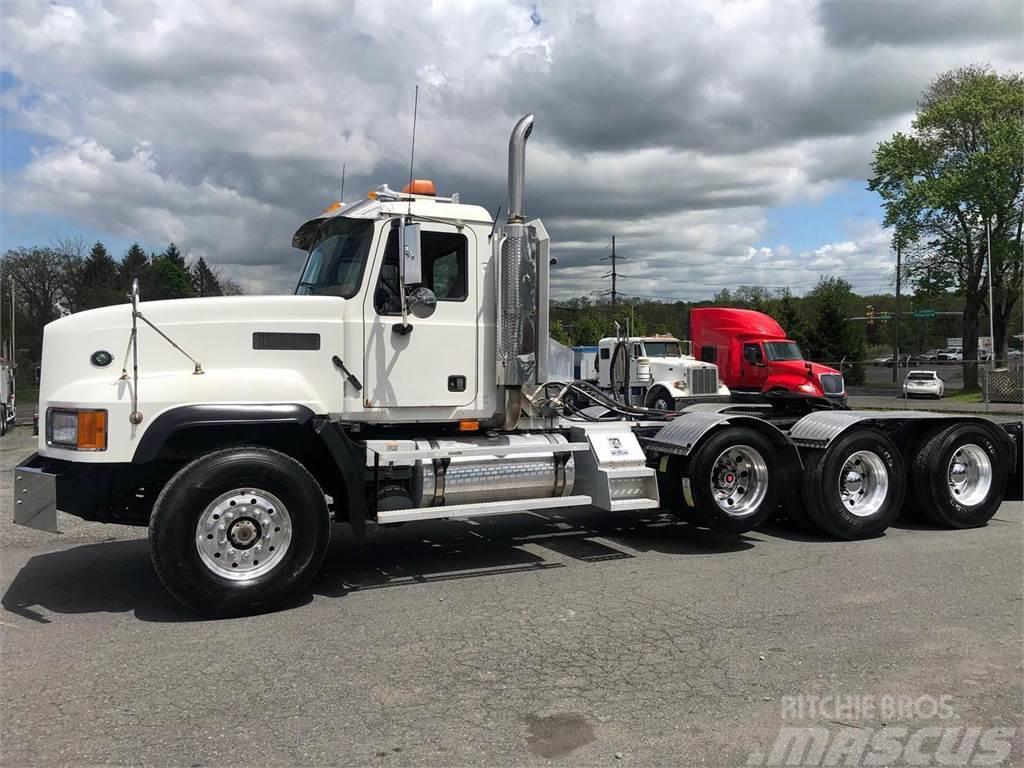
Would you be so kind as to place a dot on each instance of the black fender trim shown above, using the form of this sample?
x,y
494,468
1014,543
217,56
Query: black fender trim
x,y
348,456
214,414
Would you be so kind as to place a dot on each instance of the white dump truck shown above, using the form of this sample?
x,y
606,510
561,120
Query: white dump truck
x,y
658,372
409,379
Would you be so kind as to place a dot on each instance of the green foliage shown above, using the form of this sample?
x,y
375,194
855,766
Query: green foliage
x,y
167,278
831,337
134,266
98,280
959,169
205,282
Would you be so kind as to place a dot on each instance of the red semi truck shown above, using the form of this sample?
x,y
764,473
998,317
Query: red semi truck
x,y
755,359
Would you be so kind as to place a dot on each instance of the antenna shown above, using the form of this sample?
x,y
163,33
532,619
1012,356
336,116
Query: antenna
x,y
412,151
342,198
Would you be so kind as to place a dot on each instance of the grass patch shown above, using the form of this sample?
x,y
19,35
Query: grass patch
x,y
966,396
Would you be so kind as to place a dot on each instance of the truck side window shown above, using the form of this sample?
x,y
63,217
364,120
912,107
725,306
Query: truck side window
x,y
444,265
444,270
605,353
753,355
708,354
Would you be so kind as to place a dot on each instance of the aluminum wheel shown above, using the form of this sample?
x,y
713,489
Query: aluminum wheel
x,y
739,480
969,474
863,483
243,534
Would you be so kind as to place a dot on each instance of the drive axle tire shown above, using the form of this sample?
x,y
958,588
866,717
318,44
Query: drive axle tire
x,y
959,477
855,488
732,479
239,531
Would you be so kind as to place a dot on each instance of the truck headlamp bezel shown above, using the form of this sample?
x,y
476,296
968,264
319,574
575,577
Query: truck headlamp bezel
x,y
77,429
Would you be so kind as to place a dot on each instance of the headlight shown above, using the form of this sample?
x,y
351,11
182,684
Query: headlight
x,y
77,430
679,384
808,387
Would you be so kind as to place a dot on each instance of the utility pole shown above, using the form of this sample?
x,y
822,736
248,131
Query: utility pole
x,y
614,275
896,341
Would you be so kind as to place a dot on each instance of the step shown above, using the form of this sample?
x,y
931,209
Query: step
x,y
479,510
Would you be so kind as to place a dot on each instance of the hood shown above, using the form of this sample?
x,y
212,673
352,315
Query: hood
x,y
799,367
214,309
219,332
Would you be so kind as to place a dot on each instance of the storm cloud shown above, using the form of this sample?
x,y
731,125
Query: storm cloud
x,y
677,126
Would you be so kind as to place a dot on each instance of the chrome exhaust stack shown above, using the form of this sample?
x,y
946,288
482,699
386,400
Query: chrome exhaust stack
x,y
517,168
521,270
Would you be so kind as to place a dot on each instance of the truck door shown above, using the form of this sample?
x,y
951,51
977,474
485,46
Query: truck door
x,y
753,371
435,362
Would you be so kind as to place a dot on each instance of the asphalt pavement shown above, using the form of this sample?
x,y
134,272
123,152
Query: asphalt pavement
x,y
574,637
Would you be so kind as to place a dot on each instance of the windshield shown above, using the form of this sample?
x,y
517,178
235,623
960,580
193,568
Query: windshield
x,y
782,350
662,349
921,376
335,265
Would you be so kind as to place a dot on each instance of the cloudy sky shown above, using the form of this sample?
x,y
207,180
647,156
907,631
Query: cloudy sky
x,y
723,143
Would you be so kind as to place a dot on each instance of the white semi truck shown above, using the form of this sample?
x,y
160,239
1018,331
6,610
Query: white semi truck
x,y
658,372
408,379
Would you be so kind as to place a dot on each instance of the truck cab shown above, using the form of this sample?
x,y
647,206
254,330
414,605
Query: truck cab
x,y
756,358
662,372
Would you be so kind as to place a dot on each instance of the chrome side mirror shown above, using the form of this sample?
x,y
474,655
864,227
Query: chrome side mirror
x,y
412,263
421,302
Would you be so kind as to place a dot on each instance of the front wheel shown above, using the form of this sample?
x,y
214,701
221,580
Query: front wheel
x,y
239,531
854,489
660,400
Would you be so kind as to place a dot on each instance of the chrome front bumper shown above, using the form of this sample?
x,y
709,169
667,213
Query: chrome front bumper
x,y
35,497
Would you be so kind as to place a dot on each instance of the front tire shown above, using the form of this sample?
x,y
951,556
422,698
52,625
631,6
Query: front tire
x,y
855,488
239,531
659,399
959,477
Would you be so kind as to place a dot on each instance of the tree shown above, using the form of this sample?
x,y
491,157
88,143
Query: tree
x,y
960,168
172,254
205,281
831,337
43,280
97,281
134,266
786,311
167,278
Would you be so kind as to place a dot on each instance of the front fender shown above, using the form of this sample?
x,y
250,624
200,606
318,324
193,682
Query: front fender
x,y
161,393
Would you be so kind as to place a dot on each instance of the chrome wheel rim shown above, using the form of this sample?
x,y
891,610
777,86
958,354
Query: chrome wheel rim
x,y
243,534
863,483
969,474
739,480
661,404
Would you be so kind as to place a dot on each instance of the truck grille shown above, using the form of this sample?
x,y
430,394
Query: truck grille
x,y
832,384
703,381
